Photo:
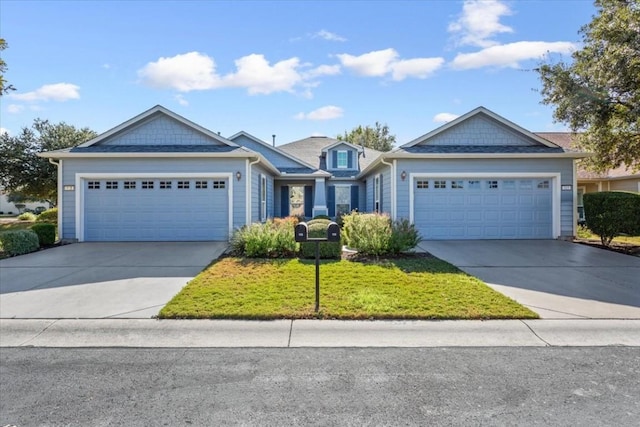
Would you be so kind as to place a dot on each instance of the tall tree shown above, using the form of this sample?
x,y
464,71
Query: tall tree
x,y
377,137
4,86
598,94
21,170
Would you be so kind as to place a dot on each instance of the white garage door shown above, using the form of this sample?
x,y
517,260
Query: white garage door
x,y
160,209
463,208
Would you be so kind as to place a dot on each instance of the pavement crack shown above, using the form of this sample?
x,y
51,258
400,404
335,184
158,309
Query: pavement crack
x,y
290,332
536,334
39,333
113,316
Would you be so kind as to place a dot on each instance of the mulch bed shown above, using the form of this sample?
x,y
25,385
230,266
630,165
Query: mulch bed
x,y
623,248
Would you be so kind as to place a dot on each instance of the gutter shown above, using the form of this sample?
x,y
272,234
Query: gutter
x,y
58,166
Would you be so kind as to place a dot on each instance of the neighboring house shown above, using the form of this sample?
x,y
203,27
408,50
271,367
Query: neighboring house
x,y
161,177
9,208
618,179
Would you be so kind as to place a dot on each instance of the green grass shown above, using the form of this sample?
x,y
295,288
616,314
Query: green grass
x,y
415,288
16,225
585,233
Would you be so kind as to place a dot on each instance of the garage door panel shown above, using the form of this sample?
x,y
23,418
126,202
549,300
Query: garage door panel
x,y
147,212
486,209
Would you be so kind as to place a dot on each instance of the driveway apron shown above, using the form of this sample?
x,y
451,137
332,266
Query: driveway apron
x,y
100,280
556,279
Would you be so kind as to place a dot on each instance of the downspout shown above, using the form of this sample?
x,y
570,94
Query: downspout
x,y
59,201
393,186
248,189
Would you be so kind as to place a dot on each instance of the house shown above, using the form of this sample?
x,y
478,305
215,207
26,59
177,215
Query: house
x,y
618,179
159,176
10,208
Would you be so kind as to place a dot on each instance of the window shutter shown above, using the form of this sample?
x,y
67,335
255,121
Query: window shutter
x,y
331,200
355,193
334,159
284,201
308,201
350,159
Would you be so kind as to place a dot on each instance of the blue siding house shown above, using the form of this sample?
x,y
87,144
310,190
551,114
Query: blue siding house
x,y
161,177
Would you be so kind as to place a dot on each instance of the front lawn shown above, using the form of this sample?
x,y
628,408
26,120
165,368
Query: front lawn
x,y
406,288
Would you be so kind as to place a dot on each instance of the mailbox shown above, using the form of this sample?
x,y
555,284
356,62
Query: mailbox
x,y
302,232
333,232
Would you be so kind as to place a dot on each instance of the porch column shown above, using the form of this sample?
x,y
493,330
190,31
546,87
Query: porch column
x,y
320,199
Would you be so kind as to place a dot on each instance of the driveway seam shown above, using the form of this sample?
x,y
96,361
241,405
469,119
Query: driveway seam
x,y
290,333
39,333
536,335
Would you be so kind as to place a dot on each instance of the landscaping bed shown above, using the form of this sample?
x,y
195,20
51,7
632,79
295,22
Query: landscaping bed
x,y
403,287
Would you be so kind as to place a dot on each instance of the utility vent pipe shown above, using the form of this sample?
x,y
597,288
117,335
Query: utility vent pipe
x,y
274,139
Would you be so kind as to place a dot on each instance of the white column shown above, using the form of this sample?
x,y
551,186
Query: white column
x,y
320,198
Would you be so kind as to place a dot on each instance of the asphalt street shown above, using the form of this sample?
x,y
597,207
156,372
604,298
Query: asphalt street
x,y
318,386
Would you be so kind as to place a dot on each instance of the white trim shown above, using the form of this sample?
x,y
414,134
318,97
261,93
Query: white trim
x,y
81,177
358,148
346,160
392,183
263,197
377,194
555,197
249,168
574,227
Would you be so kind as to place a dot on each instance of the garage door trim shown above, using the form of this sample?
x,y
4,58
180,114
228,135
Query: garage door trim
x,y
81,177
555,186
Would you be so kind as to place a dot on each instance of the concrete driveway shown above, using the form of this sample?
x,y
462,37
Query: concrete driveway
x,y
556,279
100,280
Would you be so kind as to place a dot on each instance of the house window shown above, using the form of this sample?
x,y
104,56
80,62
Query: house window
x,y
439,184
263,197
112,185
492,185
201,184
342,160
458,185
129,185
147,185
422,184
296,200
93,185
184,185
376,193
474,185
343,200
219,184
165,185
543,184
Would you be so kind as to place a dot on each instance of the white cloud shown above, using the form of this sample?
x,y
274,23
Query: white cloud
x,y
181,100
185,72
508,55
3,131
327,35
382,62
255,74
323,113
479,21
322,70
444,117
15,108
420,68
53,92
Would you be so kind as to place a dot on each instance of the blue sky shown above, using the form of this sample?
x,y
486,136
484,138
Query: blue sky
x,y
293,69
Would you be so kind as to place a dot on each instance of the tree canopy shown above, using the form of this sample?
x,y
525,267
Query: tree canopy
x,y
4,86
22,171
377,137
598,94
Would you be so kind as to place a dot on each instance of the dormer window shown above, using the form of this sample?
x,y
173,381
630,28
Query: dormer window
x,y
342,160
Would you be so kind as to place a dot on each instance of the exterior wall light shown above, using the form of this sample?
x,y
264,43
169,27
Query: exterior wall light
x,y
238,175
403,175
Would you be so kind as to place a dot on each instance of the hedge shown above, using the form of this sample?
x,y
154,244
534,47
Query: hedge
x,y
46,233
19,242
612,213
50,215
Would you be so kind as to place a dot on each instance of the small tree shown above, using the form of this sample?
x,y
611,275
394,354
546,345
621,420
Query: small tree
x,y
377,137
612,213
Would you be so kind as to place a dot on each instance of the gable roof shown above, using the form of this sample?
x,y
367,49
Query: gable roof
x,y
153,112
566,140
338,142
480,111
303,165
310,151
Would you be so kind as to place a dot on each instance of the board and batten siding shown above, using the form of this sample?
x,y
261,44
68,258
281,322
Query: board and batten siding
x,y
488,166
71,167
256,172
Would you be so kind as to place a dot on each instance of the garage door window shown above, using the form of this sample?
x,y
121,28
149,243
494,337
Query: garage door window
x,y
93,185
526,185
218,184
129,185
508,185
165,185
183,185
474,185
147,185
543,184
201,184
422,184
439,184
112,185
458,185
492,185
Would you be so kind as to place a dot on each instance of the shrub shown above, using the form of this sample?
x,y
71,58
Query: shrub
x,y
271,239
18,242
612,213
46,233
404,236
328,250
322,217
27,216
369,234
50,215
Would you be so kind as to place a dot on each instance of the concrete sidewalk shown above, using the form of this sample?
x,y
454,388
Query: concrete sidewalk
x,y
317,333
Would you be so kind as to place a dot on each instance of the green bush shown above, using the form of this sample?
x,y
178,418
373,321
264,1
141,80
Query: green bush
x,y
50,215
271,239
27,216
46,233
375,234
18,242
322,217
404,236
612,213
328,250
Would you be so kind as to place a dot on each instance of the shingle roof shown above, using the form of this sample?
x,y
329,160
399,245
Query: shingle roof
x,y
296,170
566,140
154,149
309,150
453,149
344,174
